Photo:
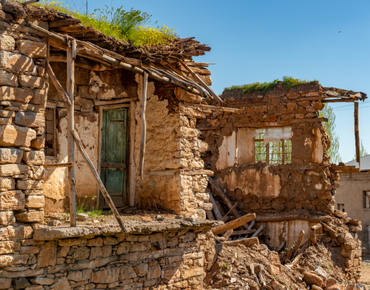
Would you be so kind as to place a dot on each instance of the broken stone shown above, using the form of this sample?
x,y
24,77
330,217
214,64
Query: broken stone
x,y
35,201
30,184
82,217
8,247
7,218
11,135
30,119
7,43
7,183
8,79
22,95
16,62
36,172
5,283
38,143
32,49
42,281
7,114
20,283
39,97
54,223
32,216
62,284
5,260
12,200
30,81
34,157
48,255
311,278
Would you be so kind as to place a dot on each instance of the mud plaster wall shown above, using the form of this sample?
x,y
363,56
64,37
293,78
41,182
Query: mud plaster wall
x,y
307,183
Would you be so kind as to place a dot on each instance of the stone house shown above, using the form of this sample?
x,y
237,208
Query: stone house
x,y
353,197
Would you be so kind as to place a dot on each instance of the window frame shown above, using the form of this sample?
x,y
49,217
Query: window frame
x,y
366,199
51,107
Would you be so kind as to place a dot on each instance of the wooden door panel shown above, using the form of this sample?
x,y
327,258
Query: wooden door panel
x,y
113,162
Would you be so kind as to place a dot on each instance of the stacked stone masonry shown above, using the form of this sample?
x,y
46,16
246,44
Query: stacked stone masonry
x,y
23,91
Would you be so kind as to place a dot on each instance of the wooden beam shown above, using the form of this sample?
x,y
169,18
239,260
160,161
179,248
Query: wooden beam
x,y
212,93
132,171
301,215
225,218
113,102
144,89
71,50
69,164
234,224
299,243
279,123
246,242
260,229
246,232
58,86
357,137
215,208
339,101
100,184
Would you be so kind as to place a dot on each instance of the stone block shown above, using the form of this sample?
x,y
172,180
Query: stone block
x,y
110,275
30,81
36,172
62,284
127,272
32,49
22,95
30,250
10,155
81,253
7,183
7,43
42,281
95,253
7,114
75,276
96,242
8,247
30,119
6,260
48,255
20,283
142,269
30,184
39,97
154,272
35,201
23,232
16,61
13,169
38,143
31,216
312,278
72,242
12,200
12,135
5,121
8,79
7,218
34,157
110,241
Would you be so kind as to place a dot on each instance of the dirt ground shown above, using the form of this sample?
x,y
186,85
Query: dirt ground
x,y
365,275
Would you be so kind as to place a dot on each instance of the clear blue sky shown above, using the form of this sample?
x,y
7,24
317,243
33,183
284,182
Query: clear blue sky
x,y
263,40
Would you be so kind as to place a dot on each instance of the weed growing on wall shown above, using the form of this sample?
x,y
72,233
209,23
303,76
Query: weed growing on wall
x,y
131,26
288,82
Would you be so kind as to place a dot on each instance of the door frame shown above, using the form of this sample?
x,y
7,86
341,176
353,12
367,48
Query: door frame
x,y
131,178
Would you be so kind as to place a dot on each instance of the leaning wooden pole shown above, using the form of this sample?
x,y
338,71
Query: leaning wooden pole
x,y
144,89
102,188
71,55
357,137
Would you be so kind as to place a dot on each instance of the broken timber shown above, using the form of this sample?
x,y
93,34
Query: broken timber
x,y
234,224
247,242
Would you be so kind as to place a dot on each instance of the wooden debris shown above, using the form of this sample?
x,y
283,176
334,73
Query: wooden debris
x,y
281,246
246,242
68,164
357,136
246,232
215,208
260,229
227,234
225,218
299,243
234,224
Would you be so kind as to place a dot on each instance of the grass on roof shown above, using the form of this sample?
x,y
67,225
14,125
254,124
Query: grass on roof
x,y
130,26
288,82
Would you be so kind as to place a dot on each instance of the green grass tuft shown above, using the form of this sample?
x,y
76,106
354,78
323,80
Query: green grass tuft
x,y
123,25
288,82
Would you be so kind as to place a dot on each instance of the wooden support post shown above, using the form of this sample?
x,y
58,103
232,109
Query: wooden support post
x,y
102,188
71,55
357,137
143,123
132,155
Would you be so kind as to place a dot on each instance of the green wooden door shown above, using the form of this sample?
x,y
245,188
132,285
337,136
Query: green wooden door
x,y
113,168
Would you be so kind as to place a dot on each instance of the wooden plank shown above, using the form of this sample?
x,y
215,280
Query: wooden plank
x,y
210,91
279,123
71,124
246,232
144,89
215,208
357,136
228,234
225,218
102,188
210,215
344,168
234,224
339,101
260,229
69,164
132,172
113,102
247,242
64,22
299,243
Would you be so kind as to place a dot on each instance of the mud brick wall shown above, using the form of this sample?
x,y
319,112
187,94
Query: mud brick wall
x,y
23,90
307,183
90,258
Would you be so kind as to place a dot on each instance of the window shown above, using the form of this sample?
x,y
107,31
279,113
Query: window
x,y
340,206
272,151
367,199
50,131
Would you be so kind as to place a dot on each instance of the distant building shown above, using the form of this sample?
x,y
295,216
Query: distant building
x,y
353,196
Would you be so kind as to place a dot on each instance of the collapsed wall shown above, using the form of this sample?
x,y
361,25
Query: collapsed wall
x,y
269,154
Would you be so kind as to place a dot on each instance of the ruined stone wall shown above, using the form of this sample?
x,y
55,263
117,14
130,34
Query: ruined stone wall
x,y
103,257
23,90
307,183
